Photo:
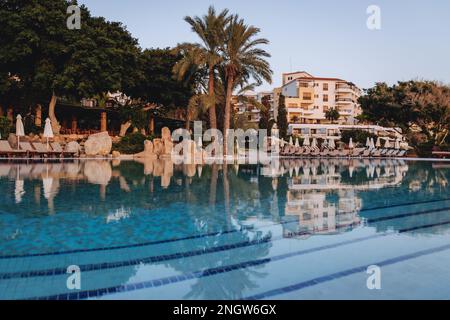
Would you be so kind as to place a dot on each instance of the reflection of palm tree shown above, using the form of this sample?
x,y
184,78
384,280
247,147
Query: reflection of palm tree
x,y
226,193
232,284
213,184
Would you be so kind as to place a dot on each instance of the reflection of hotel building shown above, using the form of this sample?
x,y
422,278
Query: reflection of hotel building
x,y
308,98
323,203
316,215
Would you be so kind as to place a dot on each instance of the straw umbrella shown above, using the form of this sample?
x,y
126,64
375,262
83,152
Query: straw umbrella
x,y
306,142
20,131
368,144
350,144
314,143
297,143
331,144
372,143
291,142
48,131
378,144
387,145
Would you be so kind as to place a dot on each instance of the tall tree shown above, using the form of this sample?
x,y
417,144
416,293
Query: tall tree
x,y
413,106
264,121
282,117
209,29
242,59
332,115
54,62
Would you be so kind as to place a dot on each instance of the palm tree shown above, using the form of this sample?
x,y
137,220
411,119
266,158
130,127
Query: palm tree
x,y
332,115
209,29
243,59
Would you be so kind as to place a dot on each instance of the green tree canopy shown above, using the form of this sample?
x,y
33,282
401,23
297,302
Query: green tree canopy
x,y
414,106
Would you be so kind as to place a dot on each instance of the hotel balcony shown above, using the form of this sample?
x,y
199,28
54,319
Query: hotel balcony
x,y
344,101
344,89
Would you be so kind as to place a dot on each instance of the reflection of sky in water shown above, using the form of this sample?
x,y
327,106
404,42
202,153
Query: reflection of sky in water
x,y
193,217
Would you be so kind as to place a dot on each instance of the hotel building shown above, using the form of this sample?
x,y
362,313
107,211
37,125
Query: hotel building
x,y
308,98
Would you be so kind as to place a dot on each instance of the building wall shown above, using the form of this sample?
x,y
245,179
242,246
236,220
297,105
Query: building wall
x,y
310,98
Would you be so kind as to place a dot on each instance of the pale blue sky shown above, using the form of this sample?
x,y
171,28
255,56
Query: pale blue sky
x,y
327,38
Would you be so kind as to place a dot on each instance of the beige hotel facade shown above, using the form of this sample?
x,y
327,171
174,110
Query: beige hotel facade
x,y
308,98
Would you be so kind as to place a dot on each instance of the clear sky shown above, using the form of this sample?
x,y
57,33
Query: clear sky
x,y
327,38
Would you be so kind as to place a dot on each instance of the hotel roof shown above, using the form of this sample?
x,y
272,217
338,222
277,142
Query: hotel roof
x,y
316,78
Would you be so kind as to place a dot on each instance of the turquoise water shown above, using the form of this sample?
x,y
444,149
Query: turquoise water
x,y
304,229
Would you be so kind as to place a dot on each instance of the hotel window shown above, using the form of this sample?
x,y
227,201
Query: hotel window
x,y
325,98
325,108
325,87
316,96
307,96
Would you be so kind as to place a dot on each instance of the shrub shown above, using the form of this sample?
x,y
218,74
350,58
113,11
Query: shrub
x,y
131,143
5,127
358,136
425,149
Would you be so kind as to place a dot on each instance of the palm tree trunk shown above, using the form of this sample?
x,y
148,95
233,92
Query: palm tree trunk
x,y
51,114
188,122
213,185
212,107
227,119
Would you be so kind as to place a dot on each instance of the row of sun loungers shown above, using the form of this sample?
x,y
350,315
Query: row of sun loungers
x,y
33,150
291,151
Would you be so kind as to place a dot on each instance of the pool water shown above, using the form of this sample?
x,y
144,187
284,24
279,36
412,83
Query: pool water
x,y
295,229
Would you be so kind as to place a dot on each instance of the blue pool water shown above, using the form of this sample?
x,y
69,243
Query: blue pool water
x,y
303,229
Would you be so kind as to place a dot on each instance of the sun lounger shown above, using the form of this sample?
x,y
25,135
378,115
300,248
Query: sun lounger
x,y
28,148
306,152
334,153
376,153
59,150
290,152
357,152
402,154
42,149
344,153
6,150
395,153
325,153
299,152
366,153
315,153
284,151
390,153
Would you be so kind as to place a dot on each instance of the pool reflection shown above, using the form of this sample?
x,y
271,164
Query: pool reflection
x,y
93,205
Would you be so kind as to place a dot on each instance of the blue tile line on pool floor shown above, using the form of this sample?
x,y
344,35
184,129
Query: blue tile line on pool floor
x,y
207,272
178,255
200,236
345,273
405,204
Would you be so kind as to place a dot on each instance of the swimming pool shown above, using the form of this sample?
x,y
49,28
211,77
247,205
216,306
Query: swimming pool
x,y
297,229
